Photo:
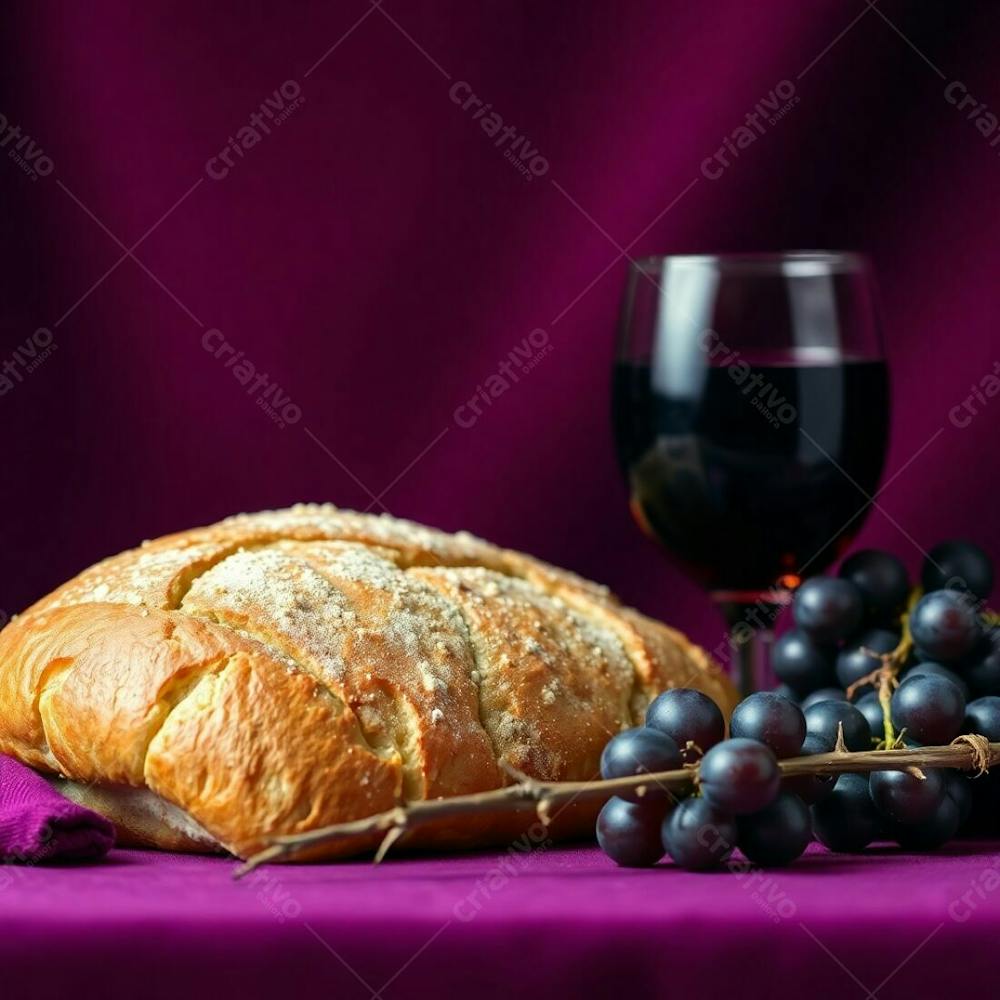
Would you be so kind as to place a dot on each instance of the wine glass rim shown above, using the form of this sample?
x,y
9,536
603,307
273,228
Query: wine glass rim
x,y
768,262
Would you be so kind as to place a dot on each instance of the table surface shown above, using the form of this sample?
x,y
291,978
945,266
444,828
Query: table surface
x,y
551,922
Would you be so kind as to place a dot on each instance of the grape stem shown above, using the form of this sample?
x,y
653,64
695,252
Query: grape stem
x,y
886,674
525,794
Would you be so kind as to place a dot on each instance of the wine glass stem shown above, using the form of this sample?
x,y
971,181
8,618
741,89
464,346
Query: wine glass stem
x,y
752,655
750,637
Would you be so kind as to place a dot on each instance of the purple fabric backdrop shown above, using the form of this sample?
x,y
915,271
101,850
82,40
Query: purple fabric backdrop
x,y
379,256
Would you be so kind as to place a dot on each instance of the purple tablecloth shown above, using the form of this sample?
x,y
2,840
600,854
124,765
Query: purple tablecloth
x,y
563,922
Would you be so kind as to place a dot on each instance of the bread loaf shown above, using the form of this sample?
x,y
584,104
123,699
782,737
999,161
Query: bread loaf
x,y
285,670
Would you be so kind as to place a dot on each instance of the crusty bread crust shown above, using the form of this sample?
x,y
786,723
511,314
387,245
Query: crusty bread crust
x,y
281,671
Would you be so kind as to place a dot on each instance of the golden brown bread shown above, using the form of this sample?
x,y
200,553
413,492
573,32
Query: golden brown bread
x,y
286,670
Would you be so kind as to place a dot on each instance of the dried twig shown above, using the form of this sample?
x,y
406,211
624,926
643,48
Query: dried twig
x,y
529,795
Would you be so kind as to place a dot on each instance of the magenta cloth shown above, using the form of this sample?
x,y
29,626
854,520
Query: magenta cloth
x,y
559,923
39,825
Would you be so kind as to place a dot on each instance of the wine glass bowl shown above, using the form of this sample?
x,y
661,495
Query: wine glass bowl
x,y
751,411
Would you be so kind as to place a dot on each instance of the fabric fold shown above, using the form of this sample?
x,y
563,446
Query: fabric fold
x,y
39,826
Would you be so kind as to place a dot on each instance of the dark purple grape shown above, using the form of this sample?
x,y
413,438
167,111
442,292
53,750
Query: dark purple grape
x,y
847,820
935,831
629,833
827,608
983,716
640,751
822,719
811,788
801,663
771,719
945,626
983,669
871,708
959,789
698,836
686,715
883,582
930,708
958,566
823,694
739,776
861,657
778,834
905,798
927,668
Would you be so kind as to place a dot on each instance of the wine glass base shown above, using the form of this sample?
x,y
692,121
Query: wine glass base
x,y
780,597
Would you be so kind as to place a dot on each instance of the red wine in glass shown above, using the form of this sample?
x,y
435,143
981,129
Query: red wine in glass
x,y
751,411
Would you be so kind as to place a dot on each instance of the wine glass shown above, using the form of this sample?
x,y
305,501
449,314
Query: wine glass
x,y
751,410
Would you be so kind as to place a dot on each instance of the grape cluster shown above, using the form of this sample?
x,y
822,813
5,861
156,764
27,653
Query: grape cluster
x,y
843,625
949,684
743,801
